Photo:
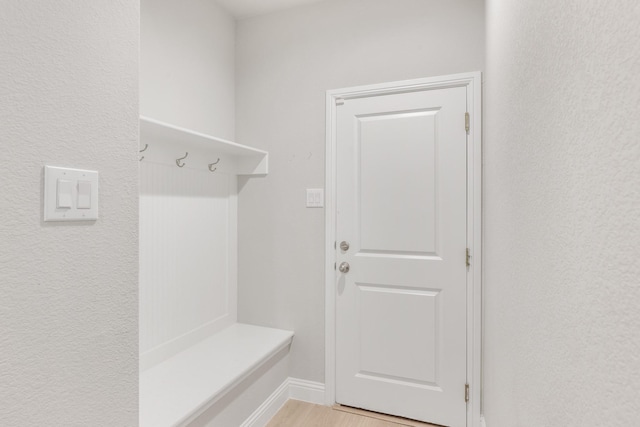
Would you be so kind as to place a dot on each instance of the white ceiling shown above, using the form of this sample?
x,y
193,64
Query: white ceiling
x,y
247,8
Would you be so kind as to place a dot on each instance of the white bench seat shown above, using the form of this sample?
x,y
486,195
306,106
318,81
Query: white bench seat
x,y
177,390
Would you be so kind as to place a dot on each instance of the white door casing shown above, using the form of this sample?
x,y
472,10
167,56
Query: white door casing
x,y
403,332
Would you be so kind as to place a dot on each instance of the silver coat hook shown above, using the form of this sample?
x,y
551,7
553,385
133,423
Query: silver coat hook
x,y
211,165
144,149
181,158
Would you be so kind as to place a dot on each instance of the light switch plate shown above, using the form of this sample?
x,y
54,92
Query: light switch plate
x,y
89,183
315,197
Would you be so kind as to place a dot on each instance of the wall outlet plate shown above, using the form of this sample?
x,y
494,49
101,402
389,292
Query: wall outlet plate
x,y
81,196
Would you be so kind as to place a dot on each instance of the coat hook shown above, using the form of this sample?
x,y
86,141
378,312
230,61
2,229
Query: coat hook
x,y
213,164
144,149
181,158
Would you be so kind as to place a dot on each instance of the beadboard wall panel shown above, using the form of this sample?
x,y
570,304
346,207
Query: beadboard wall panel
x,y
187,257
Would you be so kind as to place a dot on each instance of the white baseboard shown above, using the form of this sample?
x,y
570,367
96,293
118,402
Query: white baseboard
x,y
483,423
291,388
307,391
269,407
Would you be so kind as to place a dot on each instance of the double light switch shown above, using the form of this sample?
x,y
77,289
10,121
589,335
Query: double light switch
x,y
65,191
70,194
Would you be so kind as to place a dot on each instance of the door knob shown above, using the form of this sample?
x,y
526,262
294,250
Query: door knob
x,y
344,246
344,267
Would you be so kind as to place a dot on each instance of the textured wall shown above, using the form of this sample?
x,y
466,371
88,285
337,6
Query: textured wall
x,y
68,294
562,198
285,63
187,70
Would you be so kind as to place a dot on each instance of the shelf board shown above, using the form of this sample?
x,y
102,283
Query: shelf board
x,y
173,140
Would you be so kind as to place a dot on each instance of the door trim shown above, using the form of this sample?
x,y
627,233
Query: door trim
x,y
473,82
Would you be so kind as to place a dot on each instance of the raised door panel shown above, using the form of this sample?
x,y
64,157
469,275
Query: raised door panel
x,y
386,226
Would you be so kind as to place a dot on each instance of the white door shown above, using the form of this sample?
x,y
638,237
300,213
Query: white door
x,y
401,208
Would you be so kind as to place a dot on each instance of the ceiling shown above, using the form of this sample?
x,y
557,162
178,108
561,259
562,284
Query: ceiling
x,y
246,8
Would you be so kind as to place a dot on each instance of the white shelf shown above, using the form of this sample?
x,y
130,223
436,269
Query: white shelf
x,y
176,391
166,143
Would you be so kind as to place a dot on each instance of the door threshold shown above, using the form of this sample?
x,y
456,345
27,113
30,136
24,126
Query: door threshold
x,y
382,417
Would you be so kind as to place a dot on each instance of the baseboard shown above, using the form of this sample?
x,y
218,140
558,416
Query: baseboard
x,y
307,391
261,416
483,423
291,388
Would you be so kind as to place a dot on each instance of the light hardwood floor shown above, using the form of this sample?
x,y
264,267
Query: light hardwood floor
x,y
301,414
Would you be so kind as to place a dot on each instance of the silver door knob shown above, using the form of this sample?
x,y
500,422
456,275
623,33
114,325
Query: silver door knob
x,y
344,246
344,267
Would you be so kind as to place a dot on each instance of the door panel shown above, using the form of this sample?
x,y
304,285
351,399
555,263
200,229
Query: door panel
x,y
410,160
416,363
401,204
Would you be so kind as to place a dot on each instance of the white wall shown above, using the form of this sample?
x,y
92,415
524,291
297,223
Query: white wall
x,y
285,63
562,198
68,294
187,70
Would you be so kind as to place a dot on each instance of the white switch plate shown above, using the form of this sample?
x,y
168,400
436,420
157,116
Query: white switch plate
x,y
315,197
54,174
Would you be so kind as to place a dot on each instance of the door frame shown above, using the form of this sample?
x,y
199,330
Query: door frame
x,y
473,82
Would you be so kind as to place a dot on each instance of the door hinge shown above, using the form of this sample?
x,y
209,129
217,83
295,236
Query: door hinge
x,y
468,258
466,393
467,122
339,101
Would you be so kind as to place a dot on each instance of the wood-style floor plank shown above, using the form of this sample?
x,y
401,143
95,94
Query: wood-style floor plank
x,y
301,414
